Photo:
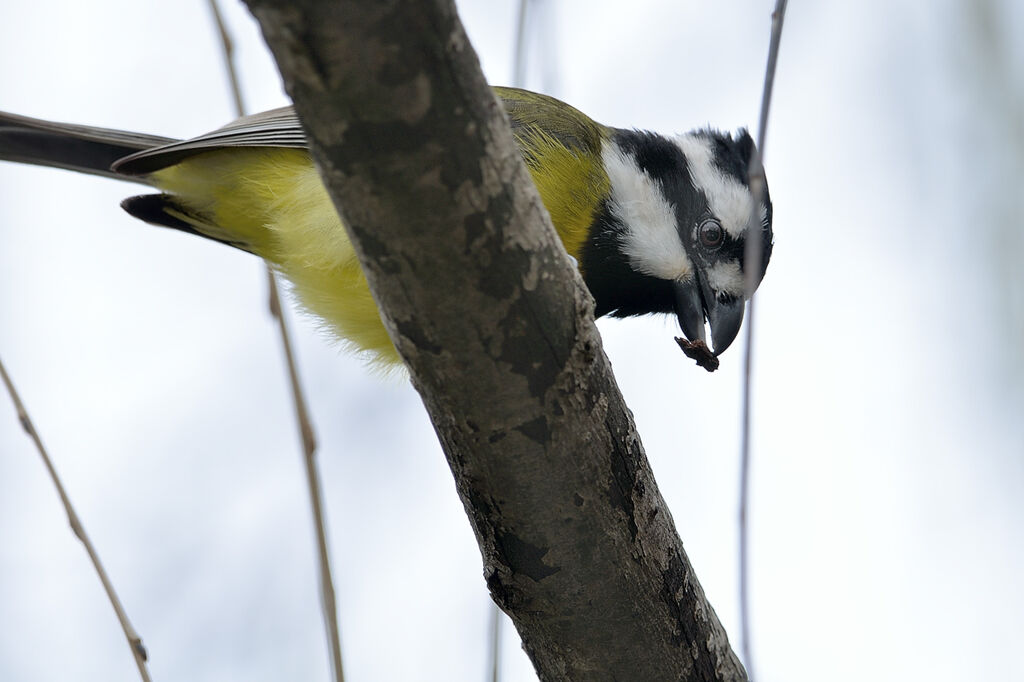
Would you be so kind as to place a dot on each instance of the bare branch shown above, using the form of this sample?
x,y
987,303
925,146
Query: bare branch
x,y
495,644
753,256
519,54
134,640
228,52
496,328
328,600
327,596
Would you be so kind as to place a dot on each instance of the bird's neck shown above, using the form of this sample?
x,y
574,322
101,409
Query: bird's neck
x,y
618,288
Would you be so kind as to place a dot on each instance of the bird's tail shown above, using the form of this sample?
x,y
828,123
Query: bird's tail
x,y
64,145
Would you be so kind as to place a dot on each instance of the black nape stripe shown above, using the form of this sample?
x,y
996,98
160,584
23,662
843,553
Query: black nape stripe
x,y
656,155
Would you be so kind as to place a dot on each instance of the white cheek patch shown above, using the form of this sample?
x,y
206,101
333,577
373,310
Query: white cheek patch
x,y
726,278
651,237
728,199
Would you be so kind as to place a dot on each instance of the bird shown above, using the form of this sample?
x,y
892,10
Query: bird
x,y
656,224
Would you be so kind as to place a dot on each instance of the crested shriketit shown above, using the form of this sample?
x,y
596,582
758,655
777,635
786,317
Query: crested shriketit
x,y
656,224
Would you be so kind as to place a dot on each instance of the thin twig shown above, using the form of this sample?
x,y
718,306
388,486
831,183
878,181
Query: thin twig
x,y
495,643
753,256
228,48
329,603
519,56
134,640
327,595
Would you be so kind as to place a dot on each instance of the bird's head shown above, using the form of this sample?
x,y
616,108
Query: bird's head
x,y
673,232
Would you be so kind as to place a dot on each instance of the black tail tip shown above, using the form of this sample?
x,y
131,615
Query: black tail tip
x,y
152,208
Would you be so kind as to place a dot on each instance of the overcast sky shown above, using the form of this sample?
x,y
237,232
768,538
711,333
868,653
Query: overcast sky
x,y
889,385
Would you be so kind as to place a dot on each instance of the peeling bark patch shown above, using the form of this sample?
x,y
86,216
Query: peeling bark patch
x,y
505,595
395,74
524,558
475,226
414,332
536,430
530,350
457,170
482,506
589,354
499,593
684,605
497,284
410,89
378,251
620,488
386,141
292,37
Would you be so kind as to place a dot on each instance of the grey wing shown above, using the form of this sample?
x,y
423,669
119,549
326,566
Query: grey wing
x,y
274,128
85,149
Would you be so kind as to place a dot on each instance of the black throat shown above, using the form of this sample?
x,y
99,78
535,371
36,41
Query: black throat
x,y
618,289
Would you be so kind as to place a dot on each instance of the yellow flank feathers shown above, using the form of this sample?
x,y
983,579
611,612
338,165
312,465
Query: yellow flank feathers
x,y
272,202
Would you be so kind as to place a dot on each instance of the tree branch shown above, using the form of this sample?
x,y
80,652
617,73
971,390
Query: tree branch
x,y
134,640
497,330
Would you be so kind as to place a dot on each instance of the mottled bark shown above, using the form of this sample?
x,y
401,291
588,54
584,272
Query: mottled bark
x,y
497,330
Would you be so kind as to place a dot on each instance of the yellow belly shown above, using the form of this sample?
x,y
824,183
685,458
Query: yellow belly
x,y
273,201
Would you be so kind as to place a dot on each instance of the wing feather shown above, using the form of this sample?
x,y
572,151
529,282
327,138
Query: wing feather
x,y
274,128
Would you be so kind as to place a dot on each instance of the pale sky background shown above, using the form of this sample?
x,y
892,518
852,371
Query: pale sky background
x,y
889,424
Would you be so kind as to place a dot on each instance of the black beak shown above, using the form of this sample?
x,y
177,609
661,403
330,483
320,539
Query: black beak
x,y
725,320
694,302
690,309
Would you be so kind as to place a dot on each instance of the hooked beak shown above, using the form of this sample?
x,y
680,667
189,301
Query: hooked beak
x,y
695,302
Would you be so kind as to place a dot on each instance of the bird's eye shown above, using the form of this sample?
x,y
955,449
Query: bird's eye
x,y
710,234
